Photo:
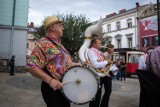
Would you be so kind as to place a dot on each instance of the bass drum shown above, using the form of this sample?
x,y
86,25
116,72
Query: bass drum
x,y
84,90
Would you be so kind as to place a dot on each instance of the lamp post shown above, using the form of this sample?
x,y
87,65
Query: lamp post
x,y
158,21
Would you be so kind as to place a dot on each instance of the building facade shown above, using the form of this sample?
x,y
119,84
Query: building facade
x,y
31,39
121,29
13,31
148,26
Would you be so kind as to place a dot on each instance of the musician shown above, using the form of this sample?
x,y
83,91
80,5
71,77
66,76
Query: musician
x,y
107,55
97,60
109,51
49,61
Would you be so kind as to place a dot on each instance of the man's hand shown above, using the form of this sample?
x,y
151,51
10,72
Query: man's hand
x,y
109,61
88,63
55,84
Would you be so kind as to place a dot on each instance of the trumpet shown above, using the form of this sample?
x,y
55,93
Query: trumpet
x,y
107,67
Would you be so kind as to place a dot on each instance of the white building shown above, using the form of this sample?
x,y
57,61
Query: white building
x,y
121,29
31,39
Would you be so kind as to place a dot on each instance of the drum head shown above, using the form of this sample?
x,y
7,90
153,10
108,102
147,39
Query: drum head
x,y
83,92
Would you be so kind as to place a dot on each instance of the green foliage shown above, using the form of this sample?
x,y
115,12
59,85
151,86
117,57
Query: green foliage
x,y
74,28
40,32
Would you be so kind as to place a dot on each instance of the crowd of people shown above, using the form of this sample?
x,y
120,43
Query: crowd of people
x,y
50,60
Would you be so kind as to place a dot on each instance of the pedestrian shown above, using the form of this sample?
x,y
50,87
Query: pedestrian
x,y
152,91
49,61
98,62
142,59
11,65
153,61
119,62
142,66
123,71
114,69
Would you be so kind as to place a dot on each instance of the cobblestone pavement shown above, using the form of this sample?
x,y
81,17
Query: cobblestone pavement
x,y
23,90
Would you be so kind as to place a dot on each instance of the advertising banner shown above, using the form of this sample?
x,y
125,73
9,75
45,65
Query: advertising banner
x,y
148,32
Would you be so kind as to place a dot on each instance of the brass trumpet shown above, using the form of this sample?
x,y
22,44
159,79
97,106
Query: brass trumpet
x,y
107,67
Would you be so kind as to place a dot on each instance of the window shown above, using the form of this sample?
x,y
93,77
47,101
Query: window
x,y
109,41
150,10
118,25
129,23
129,42
133,58
119,43
27,45
109,28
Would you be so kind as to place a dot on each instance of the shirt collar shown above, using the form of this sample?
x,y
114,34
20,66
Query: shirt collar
x,y
52,38
94,48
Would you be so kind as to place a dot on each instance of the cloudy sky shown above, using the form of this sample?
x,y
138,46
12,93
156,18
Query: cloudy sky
x,y
92,9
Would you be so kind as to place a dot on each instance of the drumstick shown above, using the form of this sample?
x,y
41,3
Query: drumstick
x,y
77,81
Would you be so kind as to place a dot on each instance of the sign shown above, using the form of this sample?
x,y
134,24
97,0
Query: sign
x,y
148,32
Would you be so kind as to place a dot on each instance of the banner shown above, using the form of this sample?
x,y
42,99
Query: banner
x,y
148,32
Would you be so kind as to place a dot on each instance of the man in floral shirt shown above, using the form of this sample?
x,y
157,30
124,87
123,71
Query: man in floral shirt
x,y
49,61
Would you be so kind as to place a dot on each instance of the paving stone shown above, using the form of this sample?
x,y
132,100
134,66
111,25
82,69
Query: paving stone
x,y
23,90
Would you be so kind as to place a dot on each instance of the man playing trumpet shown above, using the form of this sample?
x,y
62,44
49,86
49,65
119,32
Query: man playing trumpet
x,y
97,60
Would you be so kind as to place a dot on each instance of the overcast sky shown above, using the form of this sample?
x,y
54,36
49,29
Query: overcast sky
x,y
92,9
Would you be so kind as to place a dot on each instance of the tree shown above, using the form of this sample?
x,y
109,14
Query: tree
x,y
74,28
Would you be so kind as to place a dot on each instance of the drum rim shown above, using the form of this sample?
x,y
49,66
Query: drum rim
x,y
98,83
74,101
78,66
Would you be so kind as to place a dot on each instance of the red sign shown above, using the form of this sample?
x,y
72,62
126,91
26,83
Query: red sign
x,y
148,31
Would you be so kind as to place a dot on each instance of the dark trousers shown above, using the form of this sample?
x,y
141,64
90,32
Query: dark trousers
x,y
150,88
118,75
11,71
123,75
107,81
53,98
143,98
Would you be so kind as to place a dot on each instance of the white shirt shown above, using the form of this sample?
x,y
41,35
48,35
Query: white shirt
x,y
142,62
114,69
106,54
93,58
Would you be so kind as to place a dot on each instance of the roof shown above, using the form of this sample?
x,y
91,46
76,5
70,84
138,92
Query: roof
x,y
126,49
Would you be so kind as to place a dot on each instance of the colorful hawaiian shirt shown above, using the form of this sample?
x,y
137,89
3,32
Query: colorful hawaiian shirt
x,y
51,56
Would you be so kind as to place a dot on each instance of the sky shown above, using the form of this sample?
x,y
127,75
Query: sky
x,y
91,9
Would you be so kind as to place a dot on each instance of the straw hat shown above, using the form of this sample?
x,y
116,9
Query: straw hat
x,y
50,20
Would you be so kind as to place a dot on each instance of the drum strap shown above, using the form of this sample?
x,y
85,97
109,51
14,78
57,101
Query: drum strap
x,y
97,54
58,46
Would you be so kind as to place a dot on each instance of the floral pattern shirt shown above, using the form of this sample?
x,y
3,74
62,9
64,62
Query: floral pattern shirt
x,y
53,57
